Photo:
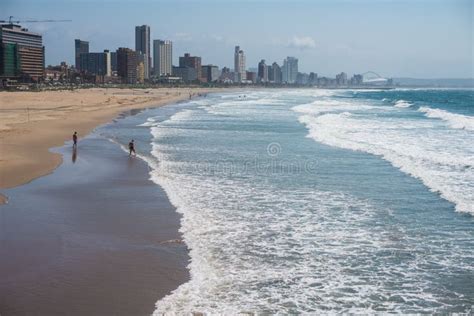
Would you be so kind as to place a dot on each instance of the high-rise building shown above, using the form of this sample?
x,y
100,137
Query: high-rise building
x,y
341,79
262,71
192,62
142,45
270,73
9,61
113,61
302,78
357,80
313,78
210,73
162,57
21,53
239,64
127,65
143,59
80,47
98,64
274,73
290,70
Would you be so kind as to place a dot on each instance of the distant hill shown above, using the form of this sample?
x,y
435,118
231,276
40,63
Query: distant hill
x,y
447,83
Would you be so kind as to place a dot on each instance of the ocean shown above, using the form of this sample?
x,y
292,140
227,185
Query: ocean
x,y
309,200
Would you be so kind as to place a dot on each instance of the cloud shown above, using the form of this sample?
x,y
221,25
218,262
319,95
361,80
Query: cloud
x,y
39,27
182,36
303,42
217,38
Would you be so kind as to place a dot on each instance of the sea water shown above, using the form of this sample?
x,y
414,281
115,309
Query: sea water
x,y
305,201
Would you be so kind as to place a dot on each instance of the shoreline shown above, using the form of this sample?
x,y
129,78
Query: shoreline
x,y
165,269
117,252
35,122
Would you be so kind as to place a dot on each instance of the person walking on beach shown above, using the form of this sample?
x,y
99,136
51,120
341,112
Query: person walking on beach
x,y
74,140
131,148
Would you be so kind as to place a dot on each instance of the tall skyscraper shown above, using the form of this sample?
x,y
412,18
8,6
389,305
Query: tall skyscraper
x,y
192,62
142,45
275,73
239,64
162,57
127,65
21,53
80,47
290,70
262,71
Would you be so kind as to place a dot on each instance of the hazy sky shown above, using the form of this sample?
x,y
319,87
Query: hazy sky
x,y
423,39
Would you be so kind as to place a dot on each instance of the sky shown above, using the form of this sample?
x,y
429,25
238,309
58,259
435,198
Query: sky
x,y
406,38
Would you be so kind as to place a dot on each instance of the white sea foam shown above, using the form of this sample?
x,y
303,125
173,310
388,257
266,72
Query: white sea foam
x,y
455,120
183,115
249,257
447,170
149,122
262,248
329,105
202,101
402,104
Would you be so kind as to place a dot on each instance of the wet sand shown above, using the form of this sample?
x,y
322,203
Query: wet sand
x,y
95,237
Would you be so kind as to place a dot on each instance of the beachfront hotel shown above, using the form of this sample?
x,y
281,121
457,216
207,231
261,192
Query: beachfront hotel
x,y
239,64
96,63
80,47
142,45
210,73
127,63
21,53
162,57
191,62
262,71
290,70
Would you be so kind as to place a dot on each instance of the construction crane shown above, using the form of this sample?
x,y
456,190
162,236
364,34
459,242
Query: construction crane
x,y
11,21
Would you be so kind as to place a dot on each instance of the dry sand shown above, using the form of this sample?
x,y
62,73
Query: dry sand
x,y
33,122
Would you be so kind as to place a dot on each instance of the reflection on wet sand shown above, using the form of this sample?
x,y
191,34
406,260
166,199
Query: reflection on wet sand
x,y
74,154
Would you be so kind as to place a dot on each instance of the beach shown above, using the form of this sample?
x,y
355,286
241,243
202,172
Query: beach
x,y
252,201
84,232
95,237
33,122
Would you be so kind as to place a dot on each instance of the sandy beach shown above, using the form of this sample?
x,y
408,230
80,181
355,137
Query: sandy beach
x,y
84,232
33,122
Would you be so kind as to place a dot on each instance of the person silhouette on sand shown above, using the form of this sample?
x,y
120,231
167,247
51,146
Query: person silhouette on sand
x,y
131,148
74,140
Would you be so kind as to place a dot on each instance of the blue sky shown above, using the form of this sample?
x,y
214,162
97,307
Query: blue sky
x,y
422,39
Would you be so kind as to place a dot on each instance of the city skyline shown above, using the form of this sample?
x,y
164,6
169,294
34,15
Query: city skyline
x,y
325,47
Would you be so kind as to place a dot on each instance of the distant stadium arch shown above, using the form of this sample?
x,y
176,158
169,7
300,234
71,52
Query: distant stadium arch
x,y
373,77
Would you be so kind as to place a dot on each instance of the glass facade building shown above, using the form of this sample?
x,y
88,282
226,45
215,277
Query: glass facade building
x,y
21,53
